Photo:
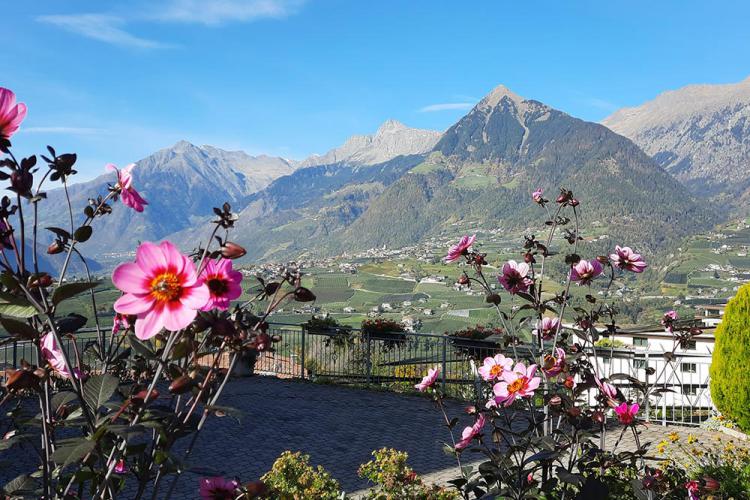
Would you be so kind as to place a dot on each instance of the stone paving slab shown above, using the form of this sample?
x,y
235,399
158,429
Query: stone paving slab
x,y
337,426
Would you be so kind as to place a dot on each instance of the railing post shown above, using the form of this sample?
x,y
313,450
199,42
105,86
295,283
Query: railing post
x,y
302,354
445,362
648,400
15,354
368,363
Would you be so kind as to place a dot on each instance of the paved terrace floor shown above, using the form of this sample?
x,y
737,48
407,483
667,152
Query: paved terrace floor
x,y
337,426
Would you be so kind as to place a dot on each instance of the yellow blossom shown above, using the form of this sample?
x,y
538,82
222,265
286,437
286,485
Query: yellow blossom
x,y
661,447
673,436
691,439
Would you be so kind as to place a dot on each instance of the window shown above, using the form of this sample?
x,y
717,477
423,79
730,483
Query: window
x,y
689,368
640,341
690,345
690,389
639,364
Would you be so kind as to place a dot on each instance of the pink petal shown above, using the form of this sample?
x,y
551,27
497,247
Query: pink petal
x,y
176,316
133,304
149,324
150,258
173,257
195,297
533,384
130,278
500,389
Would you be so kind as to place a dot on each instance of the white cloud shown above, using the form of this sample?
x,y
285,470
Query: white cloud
x,y
101,27
215,12
63,130
601,104
446,107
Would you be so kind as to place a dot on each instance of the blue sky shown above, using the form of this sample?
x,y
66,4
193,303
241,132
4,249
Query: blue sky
x,y
115,81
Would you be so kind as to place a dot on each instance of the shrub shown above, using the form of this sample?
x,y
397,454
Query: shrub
x,y
395,480
293,478
730,371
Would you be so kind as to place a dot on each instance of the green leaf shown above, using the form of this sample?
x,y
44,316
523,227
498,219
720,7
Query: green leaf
x,y
19,329
140,347
83,233
73,451
18,309
62,398
68,290
21,485
60,232
226,410
98,389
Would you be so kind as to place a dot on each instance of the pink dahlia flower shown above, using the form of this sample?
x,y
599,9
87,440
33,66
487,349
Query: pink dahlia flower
x,y
554,365
626,413
668,320
218,488
461,248
537,196
120,322
469,433
585,271
223,283
547,327
130,197
428,380
515,277
518,383
11,114
55,357
494,366
693,487
120,467
624,258
161,289
607,390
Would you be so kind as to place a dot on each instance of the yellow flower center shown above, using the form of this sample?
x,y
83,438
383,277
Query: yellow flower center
x,y
166,287
496,371
516,385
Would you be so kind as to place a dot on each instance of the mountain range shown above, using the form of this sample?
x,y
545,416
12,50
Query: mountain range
x,y
700,134
652,173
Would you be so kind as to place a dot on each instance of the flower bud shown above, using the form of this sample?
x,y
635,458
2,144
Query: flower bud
x,y
231,250
55,248
21,181
528,258
45,280
493,299
598,417
20,380
648,482
256,489
602,259
302,294
181,385
574,202
463,280
711,484
569,382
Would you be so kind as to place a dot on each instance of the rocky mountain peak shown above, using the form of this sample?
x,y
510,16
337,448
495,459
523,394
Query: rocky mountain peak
x,y
391,139
494,98
699,133
390,126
